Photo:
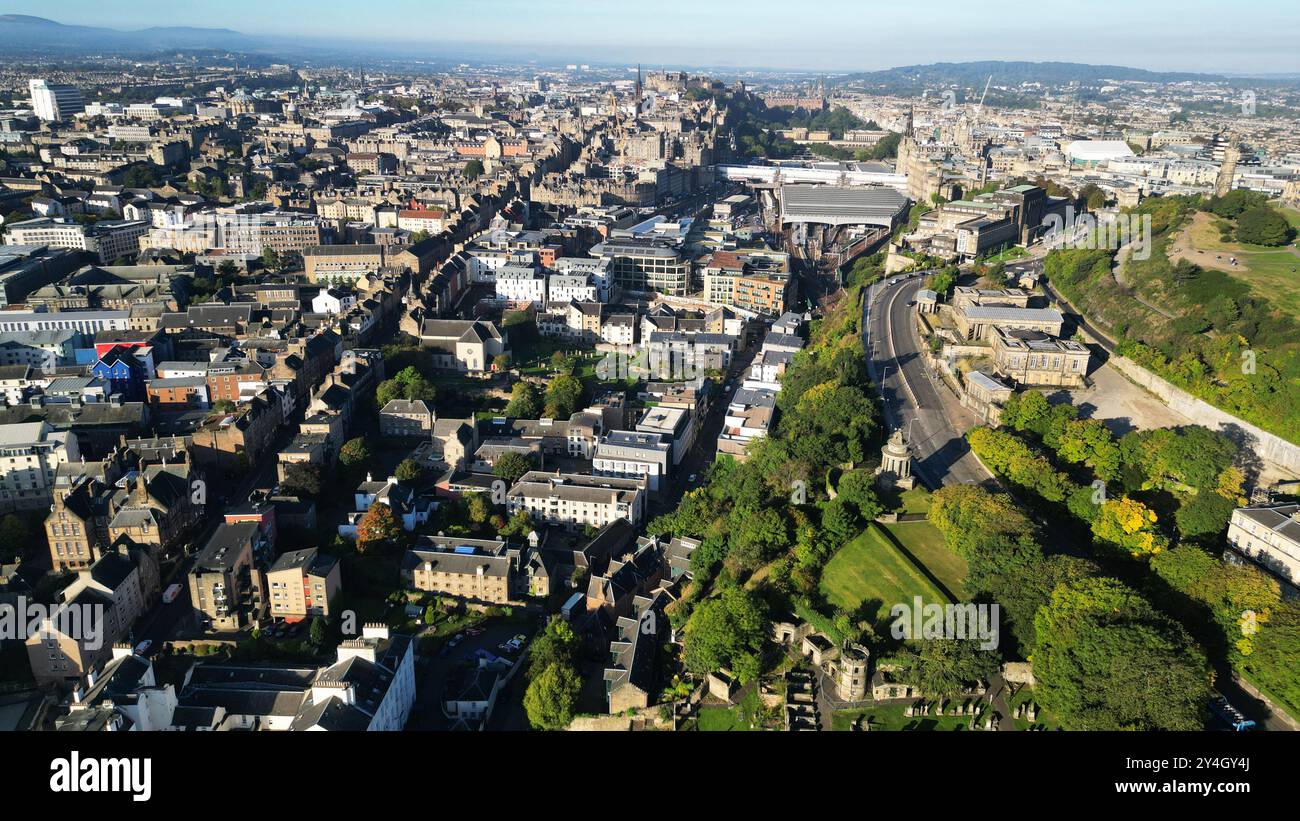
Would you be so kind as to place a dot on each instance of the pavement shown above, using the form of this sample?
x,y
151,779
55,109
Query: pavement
x,y
912,396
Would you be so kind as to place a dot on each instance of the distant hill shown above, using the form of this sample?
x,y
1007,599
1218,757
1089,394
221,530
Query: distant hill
x,y
1012,74
23,32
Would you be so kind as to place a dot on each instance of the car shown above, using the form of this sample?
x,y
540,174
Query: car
x,y
508,646
475,631
143,647
692,478
456,639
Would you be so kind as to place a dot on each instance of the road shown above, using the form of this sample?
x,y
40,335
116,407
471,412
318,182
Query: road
x,y
703,452
912,397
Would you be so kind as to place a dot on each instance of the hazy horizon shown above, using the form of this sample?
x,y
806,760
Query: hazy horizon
x,y
834,35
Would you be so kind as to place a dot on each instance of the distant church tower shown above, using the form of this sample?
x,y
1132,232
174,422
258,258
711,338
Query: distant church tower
x,y
639,91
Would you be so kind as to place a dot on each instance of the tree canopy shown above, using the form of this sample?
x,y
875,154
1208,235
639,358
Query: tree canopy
x,y
1106,660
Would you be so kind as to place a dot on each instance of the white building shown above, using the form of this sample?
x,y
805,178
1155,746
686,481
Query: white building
x,y
87,322
109,239
675,425
1269,535
30,455
53,102
576,500
518,283
633,455
565,288
333,301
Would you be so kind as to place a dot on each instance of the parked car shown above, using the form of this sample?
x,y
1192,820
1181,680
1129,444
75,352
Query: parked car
x,y
143,647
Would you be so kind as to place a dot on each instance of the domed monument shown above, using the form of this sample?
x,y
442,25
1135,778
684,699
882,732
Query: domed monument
x,y
895,469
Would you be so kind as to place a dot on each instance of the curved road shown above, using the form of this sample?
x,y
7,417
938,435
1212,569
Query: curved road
x,y
912,398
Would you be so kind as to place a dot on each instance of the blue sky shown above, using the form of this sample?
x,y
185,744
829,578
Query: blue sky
x,y
1191,35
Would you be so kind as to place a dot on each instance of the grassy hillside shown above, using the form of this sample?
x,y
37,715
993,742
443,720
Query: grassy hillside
x,y
1195,325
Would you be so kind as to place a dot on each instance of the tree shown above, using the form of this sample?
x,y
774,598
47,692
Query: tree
x,y
986,529
1021,589
1263,226
1204,516
1127,526
316,634
523,401
1012,457
520,525
378,527
1107,660
562,395
408,470
473,170
414,385
478,508
1193,455
271,260
355,454
943,668
387,391
757,535
409,383
1234,203
1089,442
228,271
1272,664
302,479
551,696
563,363
1212,598
726,631
510,466
557,644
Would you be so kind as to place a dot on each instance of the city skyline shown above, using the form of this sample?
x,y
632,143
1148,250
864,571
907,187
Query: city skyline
x,y
759,34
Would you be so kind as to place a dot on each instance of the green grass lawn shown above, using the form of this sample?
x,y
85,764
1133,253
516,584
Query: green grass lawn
x,y
1267,270
871,569
891,717
916,500
924,541
721,720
